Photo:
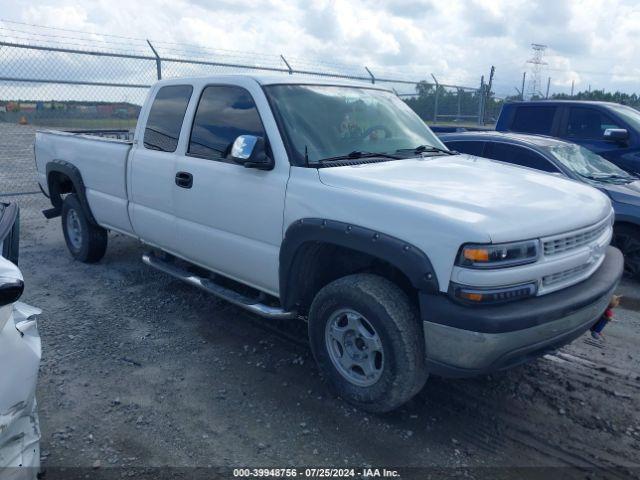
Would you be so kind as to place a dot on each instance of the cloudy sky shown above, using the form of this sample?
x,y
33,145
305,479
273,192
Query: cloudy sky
x,y
591,42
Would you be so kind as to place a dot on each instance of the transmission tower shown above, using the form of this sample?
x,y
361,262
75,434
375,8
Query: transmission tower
x,y
536,62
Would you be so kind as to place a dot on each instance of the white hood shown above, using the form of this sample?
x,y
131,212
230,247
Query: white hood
x,y
502,201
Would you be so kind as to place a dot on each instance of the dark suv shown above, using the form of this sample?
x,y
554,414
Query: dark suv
x,y
609,129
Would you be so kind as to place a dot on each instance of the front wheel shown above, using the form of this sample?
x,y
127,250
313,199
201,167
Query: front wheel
x,y
367,342
627,239
86,242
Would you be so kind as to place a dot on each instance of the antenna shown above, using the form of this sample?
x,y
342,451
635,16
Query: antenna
x,y
537,62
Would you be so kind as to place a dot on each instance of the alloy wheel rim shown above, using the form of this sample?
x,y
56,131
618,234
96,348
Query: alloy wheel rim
x,y
354,347
74,229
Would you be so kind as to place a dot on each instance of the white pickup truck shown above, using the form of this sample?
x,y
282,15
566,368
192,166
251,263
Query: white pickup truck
x,y
333,203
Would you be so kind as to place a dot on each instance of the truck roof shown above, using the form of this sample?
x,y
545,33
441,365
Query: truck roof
x,y
522,138
274,79
566,102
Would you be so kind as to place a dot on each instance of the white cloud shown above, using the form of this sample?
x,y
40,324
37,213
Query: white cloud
x,y
590,41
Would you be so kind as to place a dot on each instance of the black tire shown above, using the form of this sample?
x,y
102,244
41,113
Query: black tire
x,y
627,239
87,242
386,308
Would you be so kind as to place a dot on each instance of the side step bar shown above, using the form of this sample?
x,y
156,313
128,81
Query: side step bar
x,y
249,304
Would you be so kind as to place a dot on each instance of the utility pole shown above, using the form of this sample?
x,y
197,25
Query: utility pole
x,y
572,83
487,93
537,62
524,77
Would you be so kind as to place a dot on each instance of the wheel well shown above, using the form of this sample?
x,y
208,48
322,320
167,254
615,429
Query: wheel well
x,y
626,225
317,264
59,184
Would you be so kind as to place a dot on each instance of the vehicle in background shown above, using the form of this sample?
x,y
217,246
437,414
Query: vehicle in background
x,y
609,129
20,352
573,161
333,202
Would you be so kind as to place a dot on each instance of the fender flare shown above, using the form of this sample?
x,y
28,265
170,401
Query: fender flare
x,y
410,260
72,172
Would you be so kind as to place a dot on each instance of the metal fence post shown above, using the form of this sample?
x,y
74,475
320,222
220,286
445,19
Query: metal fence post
x,y
481,101
287,64
373,79
158,61
548,85
435,103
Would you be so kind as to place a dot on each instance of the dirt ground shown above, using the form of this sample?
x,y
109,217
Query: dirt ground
x,y
141,371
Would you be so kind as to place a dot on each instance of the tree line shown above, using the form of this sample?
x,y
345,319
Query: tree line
x,y
462,106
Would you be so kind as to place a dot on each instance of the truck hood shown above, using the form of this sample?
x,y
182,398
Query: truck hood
x,y
502,201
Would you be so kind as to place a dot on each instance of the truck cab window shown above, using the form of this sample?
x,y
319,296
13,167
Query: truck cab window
x,y
519,156
588,123
223,114
166,117
533,119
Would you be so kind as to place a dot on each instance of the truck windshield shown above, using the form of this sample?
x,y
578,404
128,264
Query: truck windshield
x,y
327,122
588,164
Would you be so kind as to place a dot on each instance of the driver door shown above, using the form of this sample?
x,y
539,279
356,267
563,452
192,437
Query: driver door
x,y
229,219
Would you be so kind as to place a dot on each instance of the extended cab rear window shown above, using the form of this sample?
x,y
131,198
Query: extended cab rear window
x,y
533,119
166,116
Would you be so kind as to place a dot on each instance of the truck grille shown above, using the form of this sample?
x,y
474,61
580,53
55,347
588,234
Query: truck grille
x,y
564,275
573,241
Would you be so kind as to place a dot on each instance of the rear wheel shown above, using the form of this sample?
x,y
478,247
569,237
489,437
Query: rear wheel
x,y
86,242
627,239
366,339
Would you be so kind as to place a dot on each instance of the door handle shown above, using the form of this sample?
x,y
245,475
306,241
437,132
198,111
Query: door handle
x,y
184,179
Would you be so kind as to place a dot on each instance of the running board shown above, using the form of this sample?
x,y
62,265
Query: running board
x,y
249,304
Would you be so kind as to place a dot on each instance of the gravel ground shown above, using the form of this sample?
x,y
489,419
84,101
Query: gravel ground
x,y
142,371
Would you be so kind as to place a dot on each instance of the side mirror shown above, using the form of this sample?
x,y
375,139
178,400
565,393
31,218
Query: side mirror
x,y
10,290
250,151
616,135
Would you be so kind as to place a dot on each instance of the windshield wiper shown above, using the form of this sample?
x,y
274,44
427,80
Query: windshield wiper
x,y
609,176
428,149
356,154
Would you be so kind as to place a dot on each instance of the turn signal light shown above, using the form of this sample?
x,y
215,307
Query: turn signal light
x,y
483,296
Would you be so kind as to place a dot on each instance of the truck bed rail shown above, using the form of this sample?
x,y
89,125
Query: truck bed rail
x,y
115,134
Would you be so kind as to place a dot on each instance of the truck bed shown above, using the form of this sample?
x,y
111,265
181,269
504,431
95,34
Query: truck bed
x,y
101,157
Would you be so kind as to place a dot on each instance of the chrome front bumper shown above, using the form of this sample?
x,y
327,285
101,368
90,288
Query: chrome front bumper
x,y
478,352
464,341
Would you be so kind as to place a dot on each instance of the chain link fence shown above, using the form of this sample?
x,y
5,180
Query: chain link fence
x,y
73,80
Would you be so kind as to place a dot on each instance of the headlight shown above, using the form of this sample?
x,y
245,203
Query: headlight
x,y
498,255
485,296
